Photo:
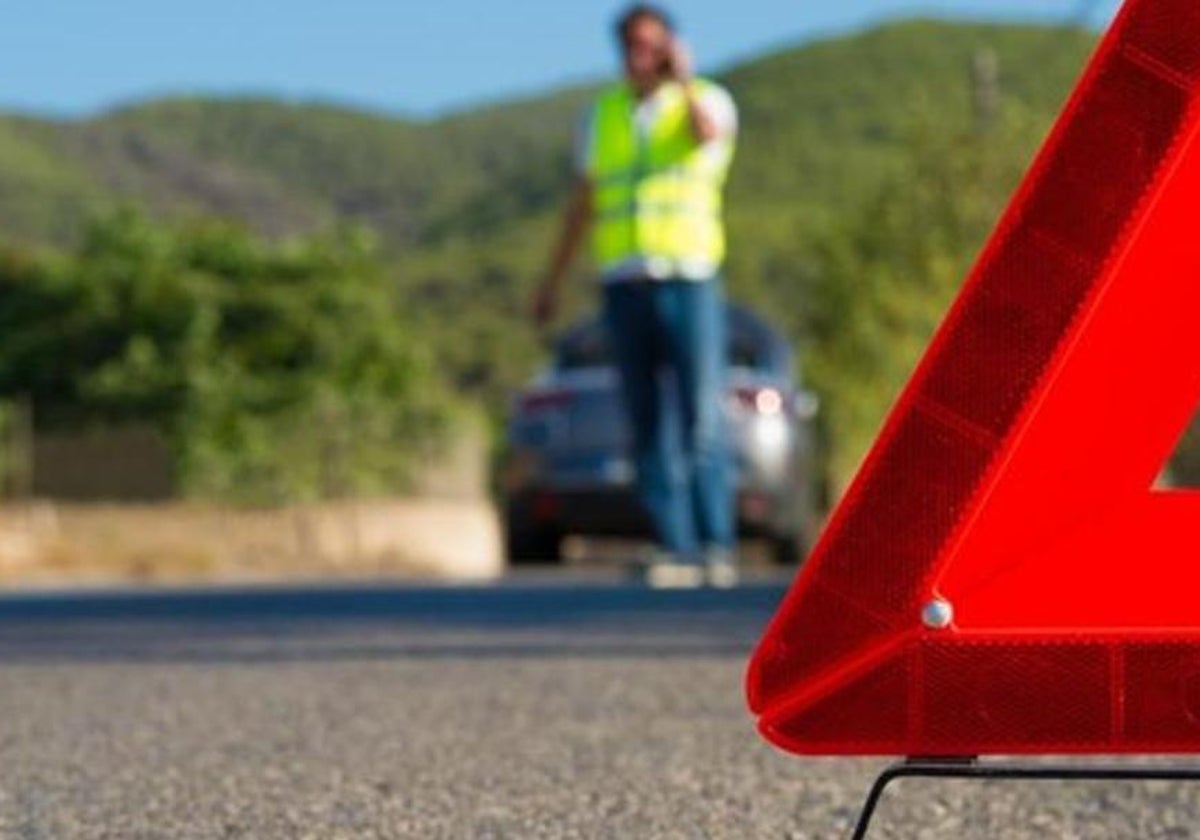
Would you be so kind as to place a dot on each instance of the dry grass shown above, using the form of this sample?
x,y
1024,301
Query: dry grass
x,y
178,543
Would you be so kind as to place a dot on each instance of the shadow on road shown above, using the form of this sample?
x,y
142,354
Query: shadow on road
x,y
365,623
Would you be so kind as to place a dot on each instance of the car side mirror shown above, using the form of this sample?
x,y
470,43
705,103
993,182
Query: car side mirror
x,y
806,404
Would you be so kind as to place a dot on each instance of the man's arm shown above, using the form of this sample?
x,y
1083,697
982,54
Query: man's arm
x,y
705,125
576,221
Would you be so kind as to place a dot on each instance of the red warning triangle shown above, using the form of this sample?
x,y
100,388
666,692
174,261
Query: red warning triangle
x,y
1002,577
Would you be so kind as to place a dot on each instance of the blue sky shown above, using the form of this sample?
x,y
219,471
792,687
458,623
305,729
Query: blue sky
x,y
421,57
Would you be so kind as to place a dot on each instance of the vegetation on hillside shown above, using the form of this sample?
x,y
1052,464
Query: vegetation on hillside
x,y
864,187
276,373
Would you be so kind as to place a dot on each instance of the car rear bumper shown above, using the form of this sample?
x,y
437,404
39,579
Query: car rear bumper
x,y
616,512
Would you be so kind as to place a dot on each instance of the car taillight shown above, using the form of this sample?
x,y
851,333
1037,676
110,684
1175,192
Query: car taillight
x,y
765,401
537,401
545,507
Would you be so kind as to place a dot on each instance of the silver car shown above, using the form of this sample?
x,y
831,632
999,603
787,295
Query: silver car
x,y
567,470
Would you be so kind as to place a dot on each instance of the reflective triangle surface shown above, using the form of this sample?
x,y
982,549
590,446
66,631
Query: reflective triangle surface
x,y
1002,576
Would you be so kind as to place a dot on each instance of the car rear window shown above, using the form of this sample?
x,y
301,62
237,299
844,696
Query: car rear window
x,y
585,349
589,348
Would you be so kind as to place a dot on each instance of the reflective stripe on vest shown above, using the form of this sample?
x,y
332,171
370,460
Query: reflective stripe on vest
x,y
657,196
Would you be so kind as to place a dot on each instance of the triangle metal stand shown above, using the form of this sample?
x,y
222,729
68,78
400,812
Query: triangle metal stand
x,y
974,769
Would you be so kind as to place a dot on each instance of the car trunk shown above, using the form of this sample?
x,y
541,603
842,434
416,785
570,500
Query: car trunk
x,y
589,435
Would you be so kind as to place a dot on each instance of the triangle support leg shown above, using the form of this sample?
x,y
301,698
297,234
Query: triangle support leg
x,y
974,770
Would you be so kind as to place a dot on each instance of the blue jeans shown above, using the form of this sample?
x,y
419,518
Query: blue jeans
x,y
669,343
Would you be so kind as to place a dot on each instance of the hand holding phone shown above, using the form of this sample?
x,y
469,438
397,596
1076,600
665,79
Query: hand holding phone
x,y
677,61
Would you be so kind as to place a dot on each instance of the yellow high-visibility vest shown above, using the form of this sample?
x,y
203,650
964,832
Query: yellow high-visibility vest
x,y
657,194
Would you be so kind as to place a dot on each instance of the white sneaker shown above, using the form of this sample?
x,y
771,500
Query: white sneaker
x,y
674,575
721,575
720,567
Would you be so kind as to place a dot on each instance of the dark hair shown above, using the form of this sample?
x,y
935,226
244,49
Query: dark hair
x,y
641,11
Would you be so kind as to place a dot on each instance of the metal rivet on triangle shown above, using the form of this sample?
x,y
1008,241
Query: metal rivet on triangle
x,y
938,614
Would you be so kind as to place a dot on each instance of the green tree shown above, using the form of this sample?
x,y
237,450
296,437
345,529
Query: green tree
x,y
276,372
884,276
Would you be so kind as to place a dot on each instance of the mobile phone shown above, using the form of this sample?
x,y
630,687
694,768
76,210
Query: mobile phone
x,y
666,64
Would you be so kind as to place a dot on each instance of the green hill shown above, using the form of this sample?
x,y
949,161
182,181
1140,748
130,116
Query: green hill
x,y
818,119
861,192
287,169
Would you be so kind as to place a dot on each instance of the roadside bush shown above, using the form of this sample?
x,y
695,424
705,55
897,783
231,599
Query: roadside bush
x,y
277,372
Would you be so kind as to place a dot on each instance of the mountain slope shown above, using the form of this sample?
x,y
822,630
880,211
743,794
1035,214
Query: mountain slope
x,y
862,190
818,120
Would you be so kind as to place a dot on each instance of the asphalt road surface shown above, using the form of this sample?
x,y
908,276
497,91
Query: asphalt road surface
x,y
542,708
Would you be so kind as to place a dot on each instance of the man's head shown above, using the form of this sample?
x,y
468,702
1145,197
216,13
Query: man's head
x,y
645,33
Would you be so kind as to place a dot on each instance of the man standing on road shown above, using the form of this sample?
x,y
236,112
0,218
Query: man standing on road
x,y
652,157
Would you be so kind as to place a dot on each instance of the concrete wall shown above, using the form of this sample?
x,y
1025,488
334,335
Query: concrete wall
x,y
73,544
